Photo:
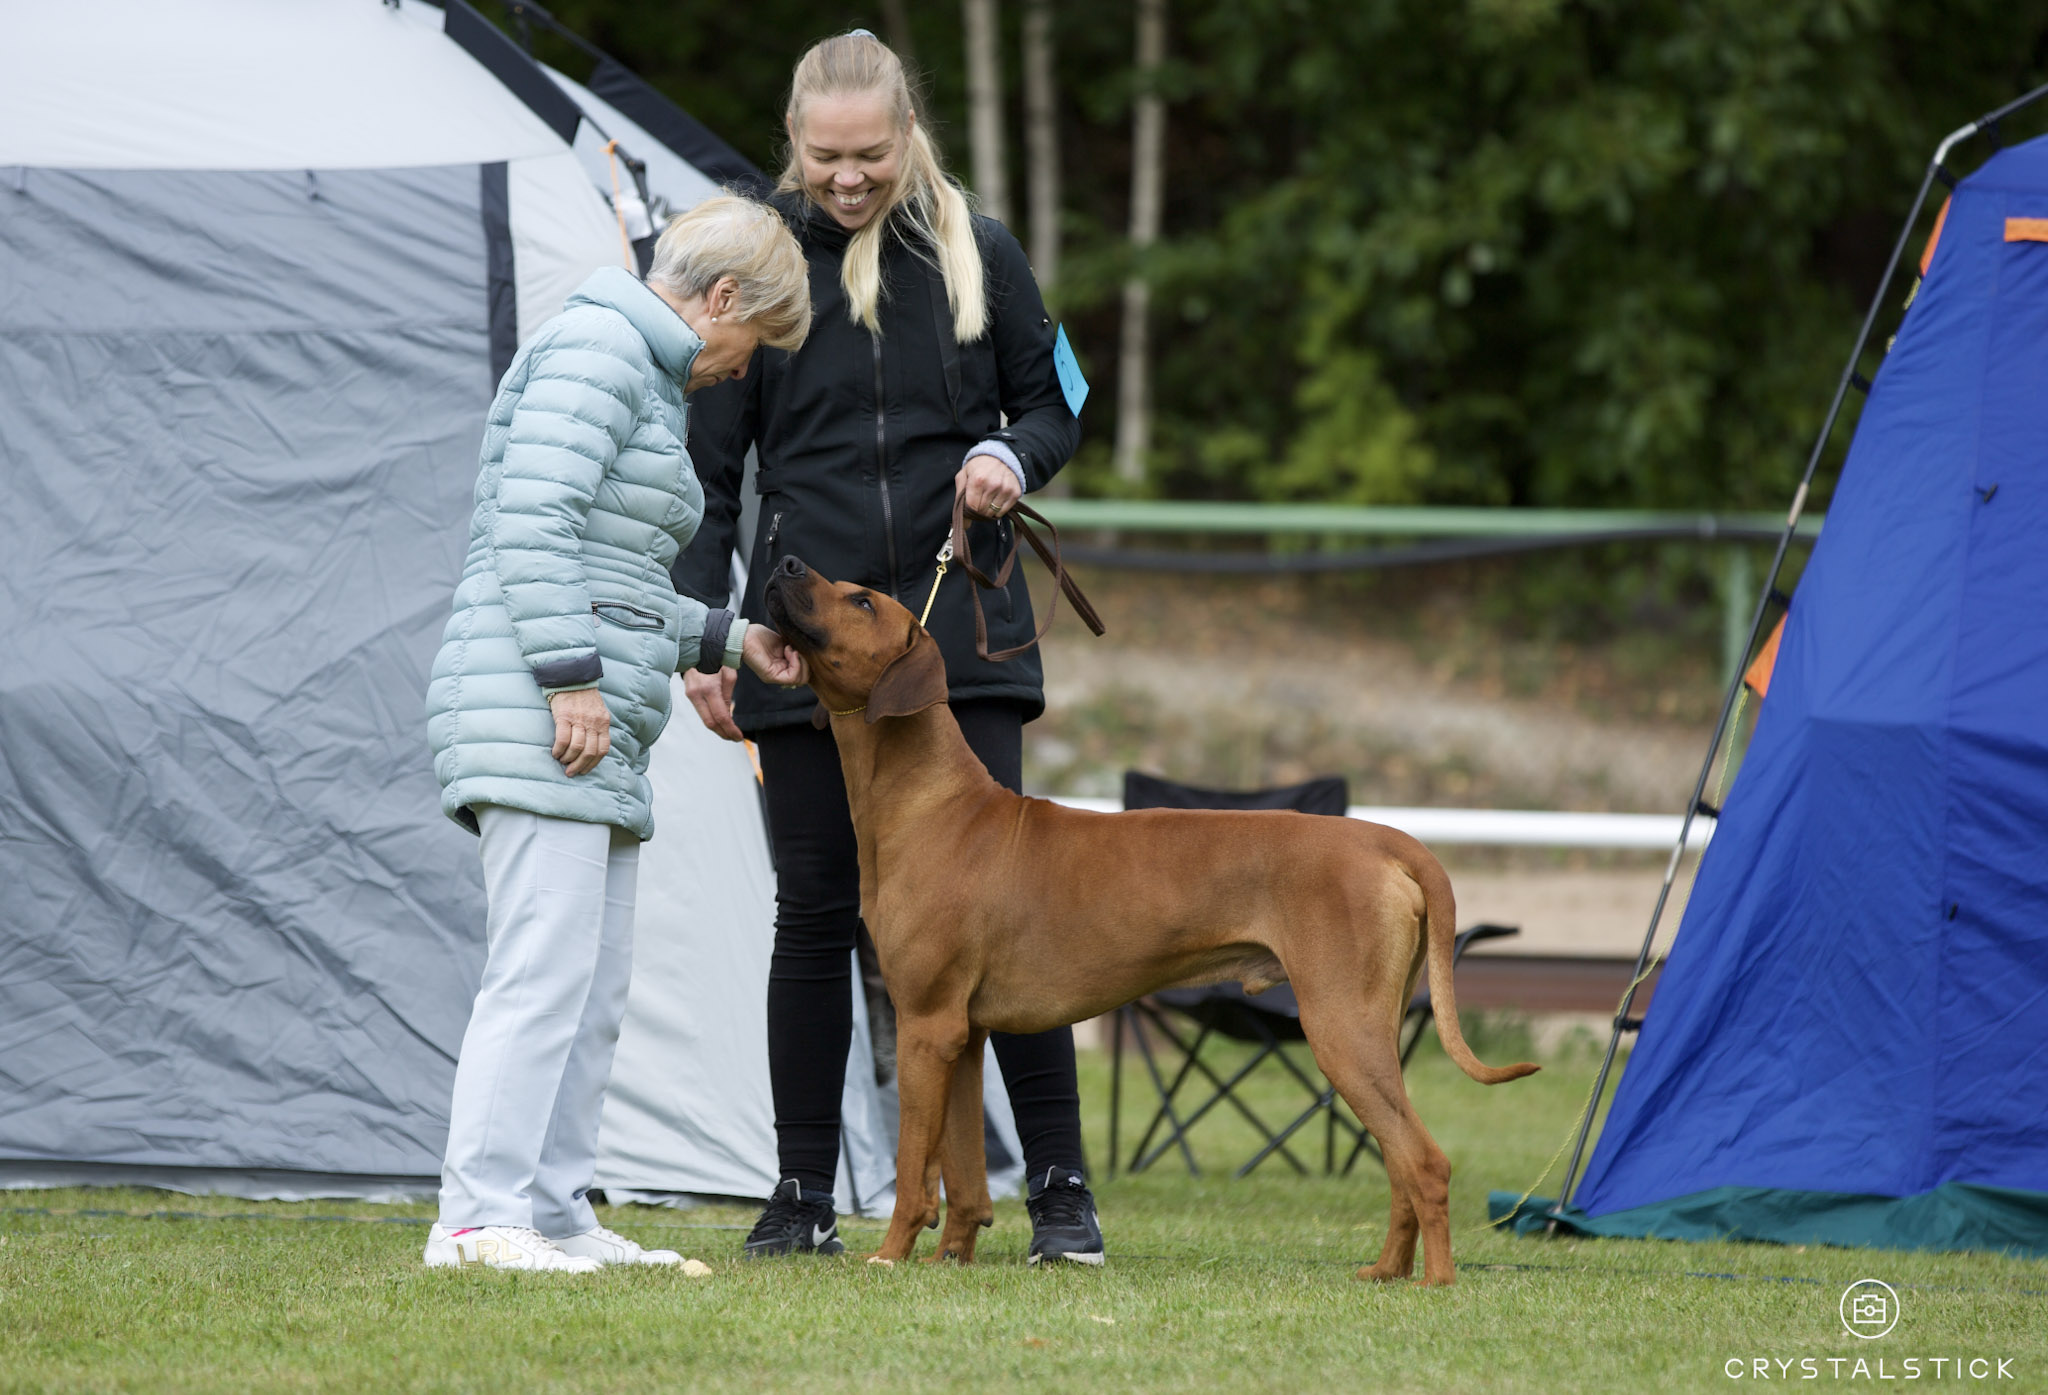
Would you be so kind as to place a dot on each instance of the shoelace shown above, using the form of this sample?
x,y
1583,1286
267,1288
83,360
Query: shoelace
x,y
612,1237
527,1235
783,1210
1060,1206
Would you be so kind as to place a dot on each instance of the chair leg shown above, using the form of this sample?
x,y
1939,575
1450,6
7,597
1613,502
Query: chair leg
x,y
1165,1106
1143,1155
1224,1090
1325,1099
1323,1102
1219,1093
1116,1080
1422,1015
1364,1146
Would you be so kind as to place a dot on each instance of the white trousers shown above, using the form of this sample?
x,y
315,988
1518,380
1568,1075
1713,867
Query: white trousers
x,y
529,1085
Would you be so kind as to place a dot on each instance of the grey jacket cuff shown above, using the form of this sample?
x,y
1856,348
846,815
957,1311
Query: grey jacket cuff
x,y
578,672
1003,453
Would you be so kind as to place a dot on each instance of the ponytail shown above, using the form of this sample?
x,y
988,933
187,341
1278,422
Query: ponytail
x,y
932,209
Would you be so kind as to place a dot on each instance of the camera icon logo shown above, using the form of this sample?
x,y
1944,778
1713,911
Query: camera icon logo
x,y
1869,1308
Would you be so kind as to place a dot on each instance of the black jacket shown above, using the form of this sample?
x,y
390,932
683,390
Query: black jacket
x,y
859,438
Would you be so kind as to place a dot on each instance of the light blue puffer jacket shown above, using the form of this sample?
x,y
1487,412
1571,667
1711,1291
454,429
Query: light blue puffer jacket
x,y
585,497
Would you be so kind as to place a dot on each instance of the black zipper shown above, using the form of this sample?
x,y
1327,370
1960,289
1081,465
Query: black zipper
x,y
882,467
618,612
774,529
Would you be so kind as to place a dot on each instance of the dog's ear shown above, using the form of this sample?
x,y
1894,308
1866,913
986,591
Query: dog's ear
x,y
913,681
820,718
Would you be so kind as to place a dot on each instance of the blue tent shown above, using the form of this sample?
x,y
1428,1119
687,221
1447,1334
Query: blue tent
x,y
1850,1041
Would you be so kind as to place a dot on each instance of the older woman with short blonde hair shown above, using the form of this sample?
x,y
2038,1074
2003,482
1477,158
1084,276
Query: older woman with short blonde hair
x,y
551,686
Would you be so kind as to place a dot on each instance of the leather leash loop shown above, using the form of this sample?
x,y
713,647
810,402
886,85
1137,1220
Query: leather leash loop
x,y
1048,554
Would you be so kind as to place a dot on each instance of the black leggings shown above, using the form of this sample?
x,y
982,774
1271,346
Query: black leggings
x,y
810,982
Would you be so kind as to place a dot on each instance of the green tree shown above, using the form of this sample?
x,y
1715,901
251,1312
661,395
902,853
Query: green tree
x,y
1606,252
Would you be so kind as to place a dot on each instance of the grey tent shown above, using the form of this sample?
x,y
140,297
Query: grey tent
x,y
260,267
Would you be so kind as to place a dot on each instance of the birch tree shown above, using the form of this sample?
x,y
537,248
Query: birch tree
x,y
1042,141
896,25
1148,180
985,106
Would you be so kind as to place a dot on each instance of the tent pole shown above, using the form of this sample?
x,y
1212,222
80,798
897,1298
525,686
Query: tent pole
x,y
1756,624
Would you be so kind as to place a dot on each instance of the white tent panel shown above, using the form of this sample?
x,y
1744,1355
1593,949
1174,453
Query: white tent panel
x,y
561,232
250,85
689,1109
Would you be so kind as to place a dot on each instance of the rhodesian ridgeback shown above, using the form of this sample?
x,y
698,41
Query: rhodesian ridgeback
x,y
994,912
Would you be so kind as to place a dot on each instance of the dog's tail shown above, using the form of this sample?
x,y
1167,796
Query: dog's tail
x,y
1440,930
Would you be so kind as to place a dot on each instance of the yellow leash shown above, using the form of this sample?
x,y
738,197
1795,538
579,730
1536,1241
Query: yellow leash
x,y
1727,769
1584,1110
945,556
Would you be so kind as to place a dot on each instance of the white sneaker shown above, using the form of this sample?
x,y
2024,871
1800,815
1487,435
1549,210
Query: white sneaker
x,y
500,1247
610,1247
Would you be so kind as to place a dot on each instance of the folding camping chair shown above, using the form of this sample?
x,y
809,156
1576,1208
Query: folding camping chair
x,y
1187,1018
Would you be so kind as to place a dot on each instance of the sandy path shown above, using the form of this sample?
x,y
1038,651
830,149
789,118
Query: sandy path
x,y
1385,697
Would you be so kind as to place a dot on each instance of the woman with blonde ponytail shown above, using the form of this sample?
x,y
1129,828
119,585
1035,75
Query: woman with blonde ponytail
x,y
928,374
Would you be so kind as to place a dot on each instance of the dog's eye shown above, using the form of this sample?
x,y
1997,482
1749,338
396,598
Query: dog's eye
x,y
865,604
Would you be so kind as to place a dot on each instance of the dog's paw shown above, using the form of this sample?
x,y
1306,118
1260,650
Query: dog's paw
x,y
885,1263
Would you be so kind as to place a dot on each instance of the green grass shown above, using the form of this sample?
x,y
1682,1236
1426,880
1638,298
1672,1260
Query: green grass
x,y
1212,1284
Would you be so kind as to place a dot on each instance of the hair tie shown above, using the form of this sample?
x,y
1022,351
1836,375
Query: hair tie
x,y
861,34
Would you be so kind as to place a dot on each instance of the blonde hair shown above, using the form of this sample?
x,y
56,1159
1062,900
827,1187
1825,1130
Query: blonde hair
x,y
932,205
733,235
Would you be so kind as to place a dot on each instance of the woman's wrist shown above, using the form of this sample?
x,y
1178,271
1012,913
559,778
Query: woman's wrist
x,y
999,450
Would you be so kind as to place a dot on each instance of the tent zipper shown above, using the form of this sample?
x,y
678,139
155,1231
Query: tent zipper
x,y
882,468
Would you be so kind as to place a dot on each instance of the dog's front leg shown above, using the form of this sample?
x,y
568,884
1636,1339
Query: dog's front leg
x,y
927,1053
963,1159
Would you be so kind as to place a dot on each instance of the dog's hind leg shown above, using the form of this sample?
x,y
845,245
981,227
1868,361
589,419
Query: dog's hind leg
x,y
1360,1059
928,1052
963,1159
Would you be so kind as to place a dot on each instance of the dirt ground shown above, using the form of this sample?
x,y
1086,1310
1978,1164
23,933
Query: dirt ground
x,y
1239,683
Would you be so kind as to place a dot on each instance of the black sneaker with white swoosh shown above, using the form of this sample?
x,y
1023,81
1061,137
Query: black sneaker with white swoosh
x,y
795,1222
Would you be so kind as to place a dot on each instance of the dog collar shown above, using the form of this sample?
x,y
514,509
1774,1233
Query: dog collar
x,y
849,711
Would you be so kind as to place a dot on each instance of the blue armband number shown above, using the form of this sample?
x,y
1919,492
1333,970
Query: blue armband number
x,y
1071,382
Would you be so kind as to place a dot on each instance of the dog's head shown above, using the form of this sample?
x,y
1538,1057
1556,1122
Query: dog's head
x,y
866,652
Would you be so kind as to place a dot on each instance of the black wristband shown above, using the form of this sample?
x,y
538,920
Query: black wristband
x,y
711,654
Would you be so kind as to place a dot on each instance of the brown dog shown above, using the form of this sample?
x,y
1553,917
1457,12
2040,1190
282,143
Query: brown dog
x,y
993,912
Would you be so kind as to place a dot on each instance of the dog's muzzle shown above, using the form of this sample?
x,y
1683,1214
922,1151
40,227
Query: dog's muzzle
x,y
788,597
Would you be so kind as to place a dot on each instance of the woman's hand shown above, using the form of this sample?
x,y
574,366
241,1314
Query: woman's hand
x,y
990,486
583,729
770,656
711,695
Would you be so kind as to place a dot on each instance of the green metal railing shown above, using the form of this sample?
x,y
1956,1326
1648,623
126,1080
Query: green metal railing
x,y
1564,527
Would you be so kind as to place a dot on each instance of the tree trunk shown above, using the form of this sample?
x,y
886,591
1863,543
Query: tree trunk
x,y
896,25
985,107
1148,181
1042,142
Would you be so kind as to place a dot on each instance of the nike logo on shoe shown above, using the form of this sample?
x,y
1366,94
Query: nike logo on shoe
x,y
820,1234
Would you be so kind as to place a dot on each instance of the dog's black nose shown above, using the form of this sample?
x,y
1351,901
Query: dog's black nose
x,y
791,568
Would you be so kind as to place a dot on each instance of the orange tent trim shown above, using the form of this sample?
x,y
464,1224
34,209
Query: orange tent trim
x,y
1758,676
1933,238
